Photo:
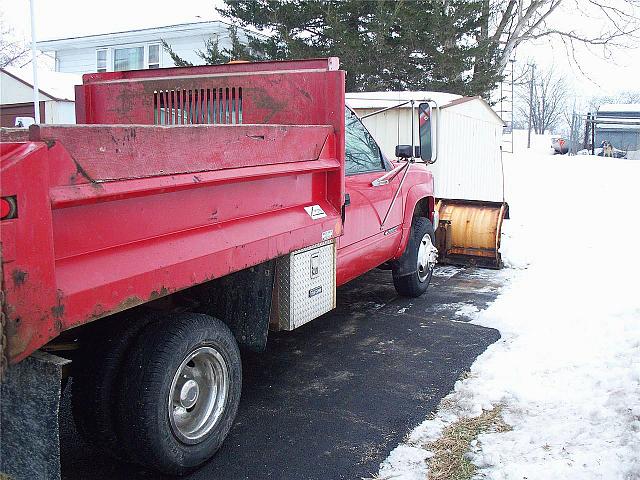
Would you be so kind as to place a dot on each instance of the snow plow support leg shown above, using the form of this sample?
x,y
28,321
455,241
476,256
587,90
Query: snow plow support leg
x,y
29,406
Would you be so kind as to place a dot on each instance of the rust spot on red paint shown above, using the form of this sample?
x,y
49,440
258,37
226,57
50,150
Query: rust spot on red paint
x,y
128,302
18,343
98,311
164,291
58,310
80,171
265,101
19,277
305,93
126,101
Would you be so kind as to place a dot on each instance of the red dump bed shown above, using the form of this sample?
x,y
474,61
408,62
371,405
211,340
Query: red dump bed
x,y
177,176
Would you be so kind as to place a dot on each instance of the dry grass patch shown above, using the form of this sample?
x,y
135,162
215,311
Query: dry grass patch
x,y
449,461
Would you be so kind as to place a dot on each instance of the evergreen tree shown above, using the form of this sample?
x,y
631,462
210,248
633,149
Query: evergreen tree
x,y
212,55
382,44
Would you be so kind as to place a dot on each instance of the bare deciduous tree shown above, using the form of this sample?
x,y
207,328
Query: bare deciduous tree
x,y
546,104
621,97
509,23
12,49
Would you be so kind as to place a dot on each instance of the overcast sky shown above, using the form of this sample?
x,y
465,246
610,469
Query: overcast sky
x,y
71,18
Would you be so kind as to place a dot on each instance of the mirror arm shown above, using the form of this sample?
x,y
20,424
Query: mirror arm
x,y
386,109
395,195
387,177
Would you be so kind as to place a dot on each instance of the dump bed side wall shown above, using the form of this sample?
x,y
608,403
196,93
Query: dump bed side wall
x,y
112,216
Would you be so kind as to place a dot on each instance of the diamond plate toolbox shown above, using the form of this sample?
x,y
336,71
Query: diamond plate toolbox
x,y
305,285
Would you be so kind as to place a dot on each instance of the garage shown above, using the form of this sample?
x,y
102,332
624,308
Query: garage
x,y
57,98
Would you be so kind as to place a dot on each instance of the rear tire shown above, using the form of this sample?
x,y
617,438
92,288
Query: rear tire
x,y
179,393
95,377
419,256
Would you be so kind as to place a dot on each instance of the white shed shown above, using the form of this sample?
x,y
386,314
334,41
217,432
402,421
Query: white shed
x,y
57,97
469,135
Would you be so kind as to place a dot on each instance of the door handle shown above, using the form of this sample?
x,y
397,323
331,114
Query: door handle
x,y
347,202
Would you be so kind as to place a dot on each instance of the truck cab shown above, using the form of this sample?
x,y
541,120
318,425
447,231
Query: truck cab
x,y
380,203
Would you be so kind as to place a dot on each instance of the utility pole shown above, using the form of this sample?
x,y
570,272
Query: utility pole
x,y
34,62
533,69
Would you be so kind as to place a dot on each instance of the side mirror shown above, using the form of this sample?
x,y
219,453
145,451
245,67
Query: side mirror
x,y
425,131
404,151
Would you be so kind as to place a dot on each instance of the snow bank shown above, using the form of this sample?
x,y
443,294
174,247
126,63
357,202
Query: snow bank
x,y
567,369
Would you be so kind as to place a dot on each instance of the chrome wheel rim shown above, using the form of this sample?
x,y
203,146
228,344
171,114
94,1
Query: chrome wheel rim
x,y
427,257
198,394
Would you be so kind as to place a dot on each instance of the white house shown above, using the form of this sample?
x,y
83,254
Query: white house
x,y
56,96
137,49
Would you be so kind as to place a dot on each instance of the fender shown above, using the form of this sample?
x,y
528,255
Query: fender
x,y
419,196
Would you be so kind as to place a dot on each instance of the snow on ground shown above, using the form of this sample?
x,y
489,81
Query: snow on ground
x,y
567,368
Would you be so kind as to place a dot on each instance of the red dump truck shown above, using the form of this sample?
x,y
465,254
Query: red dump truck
x,y
189,211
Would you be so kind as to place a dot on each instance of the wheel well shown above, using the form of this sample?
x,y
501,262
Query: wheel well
x,y
424,208
242,300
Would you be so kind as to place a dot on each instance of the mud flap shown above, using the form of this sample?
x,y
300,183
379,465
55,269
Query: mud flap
x,y
242,300
29,407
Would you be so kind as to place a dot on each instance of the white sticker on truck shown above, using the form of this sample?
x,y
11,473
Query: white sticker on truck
x,y
326,235
315,211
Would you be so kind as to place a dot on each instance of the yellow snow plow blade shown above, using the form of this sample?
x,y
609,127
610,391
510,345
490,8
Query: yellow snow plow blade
x,y
468,232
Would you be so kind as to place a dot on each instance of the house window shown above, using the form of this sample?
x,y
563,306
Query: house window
x,y
135,57
131,58
154,56
101,60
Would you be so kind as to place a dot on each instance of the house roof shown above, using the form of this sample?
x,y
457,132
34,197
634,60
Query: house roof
x,y
141,35
619,108
54,85
378,100
476,98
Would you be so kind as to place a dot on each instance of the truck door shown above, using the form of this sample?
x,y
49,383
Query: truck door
x,y
364,244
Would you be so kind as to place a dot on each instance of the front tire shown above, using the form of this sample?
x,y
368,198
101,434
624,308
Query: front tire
x,y
179,393
420,256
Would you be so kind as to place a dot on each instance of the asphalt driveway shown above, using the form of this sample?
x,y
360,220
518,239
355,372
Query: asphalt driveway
x,y
331,399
